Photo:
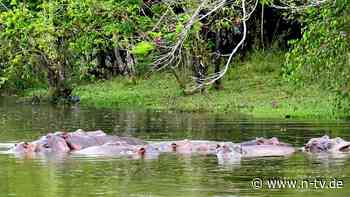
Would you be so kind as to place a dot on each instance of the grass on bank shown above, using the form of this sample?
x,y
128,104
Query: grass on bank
x,y
254,87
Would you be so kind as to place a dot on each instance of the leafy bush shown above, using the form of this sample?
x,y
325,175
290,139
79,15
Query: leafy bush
x,y
322,55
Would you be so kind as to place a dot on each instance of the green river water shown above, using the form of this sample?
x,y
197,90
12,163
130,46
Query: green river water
x,y
170,174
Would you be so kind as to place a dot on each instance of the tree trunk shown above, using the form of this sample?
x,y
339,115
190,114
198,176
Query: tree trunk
x,y
58,87
130,64
217,84
262,27
217,61
120,63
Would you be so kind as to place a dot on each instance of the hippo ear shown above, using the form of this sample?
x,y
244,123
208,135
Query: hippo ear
x,y
238,149
326,137
338,140
275,139
79,130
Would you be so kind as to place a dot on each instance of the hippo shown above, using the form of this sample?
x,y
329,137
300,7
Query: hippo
x,y
264,141
23,147
325,144
228,152
47,144
63,142
201,147
260,147
120,149
80,139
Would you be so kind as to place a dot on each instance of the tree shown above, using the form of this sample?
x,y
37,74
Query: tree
x,y
197,13
36,43
322,55
61,42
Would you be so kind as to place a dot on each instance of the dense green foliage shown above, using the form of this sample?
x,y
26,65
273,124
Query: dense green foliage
x,y
59,45
322,56
53,42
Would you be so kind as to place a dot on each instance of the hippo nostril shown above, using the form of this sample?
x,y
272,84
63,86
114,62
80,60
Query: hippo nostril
x,y
344,148
260,142
173,146
218,146
25,145
142,151
65,135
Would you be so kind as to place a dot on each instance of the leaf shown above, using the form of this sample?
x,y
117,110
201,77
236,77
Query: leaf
x,y
13,2
142,48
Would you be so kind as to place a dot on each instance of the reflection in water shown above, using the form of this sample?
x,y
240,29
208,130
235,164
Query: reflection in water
x,y
169,174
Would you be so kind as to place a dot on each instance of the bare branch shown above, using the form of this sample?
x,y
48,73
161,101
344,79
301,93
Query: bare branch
x,y
175,51
3,5
289,6
215,76
172,55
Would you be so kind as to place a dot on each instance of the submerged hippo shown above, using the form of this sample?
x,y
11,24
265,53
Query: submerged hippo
x,y
260,147
63,142
325,144
121,149
228,152
50,144
80,139
187,147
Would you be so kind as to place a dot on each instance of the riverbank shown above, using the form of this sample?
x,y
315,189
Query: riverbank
x,y
254,87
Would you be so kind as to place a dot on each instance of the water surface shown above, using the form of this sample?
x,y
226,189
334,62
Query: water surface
x,y
170,174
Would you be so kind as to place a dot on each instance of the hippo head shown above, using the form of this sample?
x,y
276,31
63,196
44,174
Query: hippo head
x,y
228,148
340,145
147,151
317,145
183,146
228,152
73,141
326,144
56,144
24,148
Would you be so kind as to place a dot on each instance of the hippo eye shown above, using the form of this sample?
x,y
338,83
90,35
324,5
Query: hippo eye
x,y
173,146
142,151
218,146
25,145
344,148
321,148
